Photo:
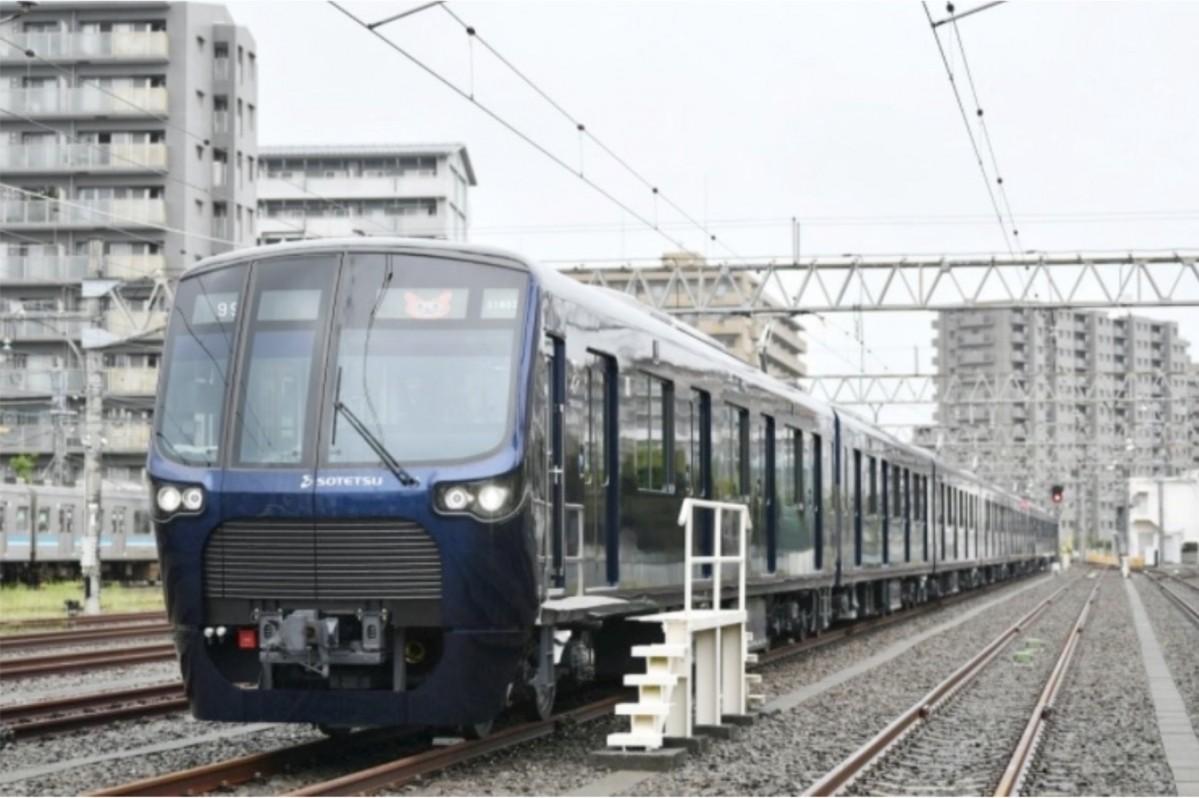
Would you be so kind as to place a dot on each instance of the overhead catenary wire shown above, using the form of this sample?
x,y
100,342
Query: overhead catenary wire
x,y
982,123
969,130
509,126
586,132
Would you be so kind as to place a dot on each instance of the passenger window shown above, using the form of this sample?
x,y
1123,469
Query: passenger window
x,y
644,424
730,453
786,475
43,520
896,495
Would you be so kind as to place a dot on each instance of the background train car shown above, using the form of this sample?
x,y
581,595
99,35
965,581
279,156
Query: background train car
x,y
42,531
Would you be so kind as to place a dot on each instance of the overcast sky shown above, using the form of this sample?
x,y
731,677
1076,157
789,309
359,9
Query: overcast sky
x,y
746,114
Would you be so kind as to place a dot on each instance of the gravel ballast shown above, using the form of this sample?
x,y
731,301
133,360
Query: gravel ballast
x,y
1178,638
1102,738
782,753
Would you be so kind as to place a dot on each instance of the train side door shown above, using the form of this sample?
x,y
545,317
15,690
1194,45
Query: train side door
x,y
556,456
596,465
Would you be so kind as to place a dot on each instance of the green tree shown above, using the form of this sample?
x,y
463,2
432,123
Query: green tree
x,y
22,465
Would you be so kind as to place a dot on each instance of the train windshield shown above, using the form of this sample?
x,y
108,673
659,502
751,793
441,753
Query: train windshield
x,y
198,350
426,353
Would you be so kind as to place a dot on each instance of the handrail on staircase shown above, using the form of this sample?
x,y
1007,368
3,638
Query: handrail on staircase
x,y
718,558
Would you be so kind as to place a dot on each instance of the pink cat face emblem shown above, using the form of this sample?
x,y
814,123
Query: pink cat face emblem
x,y
418,307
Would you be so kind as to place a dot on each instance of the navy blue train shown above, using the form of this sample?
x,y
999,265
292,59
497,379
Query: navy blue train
x,y
411,483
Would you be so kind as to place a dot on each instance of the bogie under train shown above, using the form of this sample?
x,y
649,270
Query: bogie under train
x,y
401,482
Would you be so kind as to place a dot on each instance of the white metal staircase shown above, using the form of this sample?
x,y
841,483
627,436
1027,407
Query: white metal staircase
x,y
709,643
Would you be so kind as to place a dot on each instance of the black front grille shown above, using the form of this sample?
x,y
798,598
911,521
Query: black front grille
x,y
289,561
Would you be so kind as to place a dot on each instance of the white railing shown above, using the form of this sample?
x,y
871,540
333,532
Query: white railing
x,y
69,268
87,44
116,101
717,559
100,213
63,156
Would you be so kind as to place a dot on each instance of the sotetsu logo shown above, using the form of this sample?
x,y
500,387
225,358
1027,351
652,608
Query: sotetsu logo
x,y
354,481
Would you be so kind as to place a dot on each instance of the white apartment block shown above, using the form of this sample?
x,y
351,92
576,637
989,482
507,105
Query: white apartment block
x,y
418,190
1090,402
129,152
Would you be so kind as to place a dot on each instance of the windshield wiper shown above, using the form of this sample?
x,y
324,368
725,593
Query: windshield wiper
x,y
393,465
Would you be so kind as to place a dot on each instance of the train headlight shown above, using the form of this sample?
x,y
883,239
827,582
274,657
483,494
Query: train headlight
x,y
492,498
193,499
456,499
169,499
487,499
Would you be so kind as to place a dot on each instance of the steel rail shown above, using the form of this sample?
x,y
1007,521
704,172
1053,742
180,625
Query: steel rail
x,y
1022,757
51,639
1189,610
231,772
402,771
28,667
82,620
862,758
92,709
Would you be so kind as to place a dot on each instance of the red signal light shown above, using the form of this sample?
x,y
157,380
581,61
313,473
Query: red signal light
x,y
247,638
1057,493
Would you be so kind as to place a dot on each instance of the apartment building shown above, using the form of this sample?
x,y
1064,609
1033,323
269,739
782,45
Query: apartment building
x,y
775,344
417,190
1078,399
129,152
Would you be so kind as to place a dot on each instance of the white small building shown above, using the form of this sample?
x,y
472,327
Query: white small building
x,y
1163,514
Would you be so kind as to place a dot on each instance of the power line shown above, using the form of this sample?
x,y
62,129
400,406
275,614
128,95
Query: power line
x,y
969,131
982,122
525,137
585,131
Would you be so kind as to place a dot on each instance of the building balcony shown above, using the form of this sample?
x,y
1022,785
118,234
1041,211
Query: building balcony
x,y
64,269
92,46
42,326
135,322
306,187
126,437
24,383
57,101
52,214
293,227
79,157
131,381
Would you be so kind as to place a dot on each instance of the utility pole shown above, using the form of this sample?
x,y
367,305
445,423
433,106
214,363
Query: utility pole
x,y
93,430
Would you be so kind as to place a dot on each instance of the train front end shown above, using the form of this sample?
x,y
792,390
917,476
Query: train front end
x,y
338,480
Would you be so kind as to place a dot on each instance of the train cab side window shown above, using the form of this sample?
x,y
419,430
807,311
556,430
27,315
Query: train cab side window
x,y
141,522
644,421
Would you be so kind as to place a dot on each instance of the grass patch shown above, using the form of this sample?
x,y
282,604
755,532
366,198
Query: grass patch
x,y
48,600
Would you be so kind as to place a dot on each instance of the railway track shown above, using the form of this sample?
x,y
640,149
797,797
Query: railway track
x,y
426,760
430,759
91,635
857,764
93,709
80,621
49,665
1164,581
